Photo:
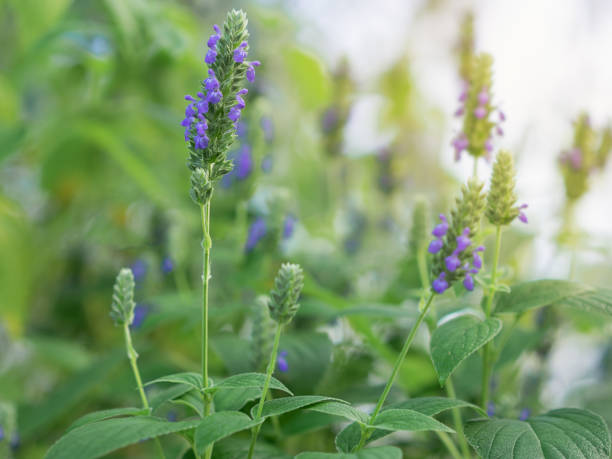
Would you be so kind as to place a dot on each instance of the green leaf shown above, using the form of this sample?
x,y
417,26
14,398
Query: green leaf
x,y
280,406
340,409
193,400
235,399
220,425
537,294
190,378
382,452
245,380
168,394
457,339
567,432
308,76
99,438
397,419
107,414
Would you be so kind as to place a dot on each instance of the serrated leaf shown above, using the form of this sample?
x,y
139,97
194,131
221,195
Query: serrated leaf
x,y
397,419
245,380
349,437
563,433
167,395
340,409
107,414
550,292
382,452
284,405
190,378
99,438
220,425
235,399
457,339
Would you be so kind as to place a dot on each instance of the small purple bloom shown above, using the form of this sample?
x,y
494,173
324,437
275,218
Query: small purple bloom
x,y
435,246
190,98
139,269
250,73
257,231
490,409
460,143
452,262
489,145
201,141
480,112
281,362
440,284
201,127
468,282
522,216
243,163
499,130
441,228
463,241
267,163
214,97
483,97
234,114
167,266
502,116
477,260
141,311
190,111
459,112
463,95
214,38
1,433
211,56
288,226
211,83
240,53
525,413
268,128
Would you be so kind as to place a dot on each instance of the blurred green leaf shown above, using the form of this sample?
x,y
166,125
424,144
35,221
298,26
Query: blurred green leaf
x,y
107,414
381,452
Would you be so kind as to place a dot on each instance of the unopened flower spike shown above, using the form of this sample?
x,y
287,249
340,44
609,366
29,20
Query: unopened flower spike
x,y
501,199
284,296
262,333
455,257
122,305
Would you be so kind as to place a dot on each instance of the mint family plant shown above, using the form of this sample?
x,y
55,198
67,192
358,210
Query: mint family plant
x,y
450,264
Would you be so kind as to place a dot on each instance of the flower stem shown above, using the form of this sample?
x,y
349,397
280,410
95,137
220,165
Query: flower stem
x,y
365,434
450,390
264,393
133,356
487,361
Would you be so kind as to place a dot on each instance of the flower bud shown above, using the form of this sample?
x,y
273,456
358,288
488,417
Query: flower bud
x,y
283,303
262,333
122,306
201,187
501,199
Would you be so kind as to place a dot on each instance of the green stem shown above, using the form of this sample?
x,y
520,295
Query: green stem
x,y
450,390
487,361
133,356
450,446
206,245
264,394
398,363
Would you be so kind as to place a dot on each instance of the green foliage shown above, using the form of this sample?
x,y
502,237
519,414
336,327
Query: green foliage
x,y
107,414
288,284
501,198
287,404
220,425
122,306
247,380
457,339
565,432
401,419
382,452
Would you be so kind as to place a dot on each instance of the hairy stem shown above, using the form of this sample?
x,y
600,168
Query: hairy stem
x,y
487,361
450,390
365,434
133,356
264,393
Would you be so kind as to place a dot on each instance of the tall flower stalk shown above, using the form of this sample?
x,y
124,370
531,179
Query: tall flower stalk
x,y
283,305
210,129
501,211
122,313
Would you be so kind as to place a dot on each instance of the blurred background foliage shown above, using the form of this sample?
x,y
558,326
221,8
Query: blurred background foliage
x,y
93,178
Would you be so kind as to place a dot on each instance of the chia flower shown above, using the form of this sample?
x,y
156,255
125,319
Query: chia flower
x,y
288,226
234,113
257,231
441,228
288,284
524,415
167,266
452,262
463,240
243,164
211,55
460,143
141,311
240,53
501,200
250,72
281,362
435,246
480,112
139,269
468,282
477,261
440,284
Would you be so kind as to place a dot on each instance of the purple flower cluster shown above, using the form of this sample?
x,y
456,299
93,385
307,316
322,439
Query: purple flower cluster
x,y
453,262
240,55
521,216
243,166
257,231
235,111
281,363
211,55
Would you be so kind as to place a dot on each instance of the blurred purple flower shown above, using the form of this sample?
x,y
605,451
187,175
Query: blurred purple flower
x,y
141,311
243,163
267,163
525,413
167,266
257,231
1,433
267,126
490,409
139,269
330,119
288,226
15,441
281,363
241,129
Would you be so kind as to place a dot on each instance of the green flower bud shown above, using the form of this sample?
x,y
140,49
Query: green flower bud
x,y
419,233
262,333
283,303
122,306
201,186
501,199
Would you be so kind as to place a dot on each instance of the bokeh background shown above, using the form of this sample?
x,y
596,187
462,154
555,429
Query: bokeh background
x,y
351,119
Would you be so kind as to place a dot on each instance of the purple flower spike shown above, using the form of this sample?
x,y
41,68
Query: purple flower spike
x,y
239,53
281,362
483,97
250,73
441,228
435,246
468,282
480,112
463,241
234,114
452,262
212,41
440,285
522,216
